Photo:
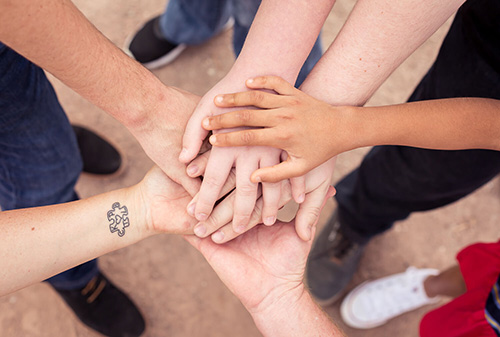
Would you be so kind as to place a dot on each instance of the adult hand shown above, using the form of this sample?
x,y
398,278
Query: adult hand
x,y
261,267
309,130
160,134
162,202
222,160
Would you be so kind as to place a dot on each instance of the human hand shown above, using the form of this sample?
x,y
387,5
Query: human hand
x,y
309,130
222,160
219,225
162,202
263,268
160,134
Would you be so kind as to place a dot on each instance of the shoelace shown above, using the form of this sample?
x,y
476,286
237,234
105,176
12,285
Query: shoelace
x,y
340,246
94,288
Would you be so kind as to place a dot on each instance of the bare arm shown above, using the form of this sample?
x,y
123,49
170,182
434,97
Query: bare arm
x,y
279,41
296,122
55,35
376,38
40,242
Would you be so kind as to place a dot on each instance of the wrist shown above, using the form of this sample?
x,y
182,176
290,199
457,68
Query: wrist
x,y
139,211
278,308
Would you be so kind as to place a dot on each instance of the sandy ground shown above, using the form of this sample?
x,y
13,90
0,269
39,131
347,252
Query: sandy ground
x,y
177,291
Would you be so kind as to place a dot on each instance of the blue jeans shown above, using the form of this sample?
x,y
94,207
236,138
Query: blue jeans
x,y
39,157
394,181
195,21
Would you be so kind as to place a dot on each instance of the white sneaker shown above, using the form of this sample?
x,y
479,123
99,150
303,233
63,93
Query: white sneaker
x,y
373,303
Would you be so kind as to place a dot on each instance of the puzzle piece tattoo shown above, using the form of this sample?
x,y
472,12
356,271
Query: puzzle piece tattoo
x,y
118,219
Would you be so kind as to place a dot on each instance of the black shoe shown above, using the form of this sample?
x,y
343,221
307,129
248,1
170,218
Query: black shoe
x,y
105,308
99,157
150,48
332,263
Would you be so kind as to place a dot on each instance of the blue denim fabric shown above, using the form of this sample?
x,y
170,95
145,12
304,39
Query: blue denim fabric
x,y
39,157
195,21
394,181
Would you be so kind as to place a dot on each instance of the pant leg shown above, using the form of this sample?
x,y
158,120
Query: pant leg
x,y
39,157
244,12
394,181
194,21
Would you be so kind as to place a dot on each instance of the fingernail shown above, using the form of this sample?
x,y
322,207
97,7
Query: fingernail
x,y
258,179
219,98
308,234
201,217
301,198
192,169
183,153
250,81
200,230
213,139
191,209
206,123
218,237
270,220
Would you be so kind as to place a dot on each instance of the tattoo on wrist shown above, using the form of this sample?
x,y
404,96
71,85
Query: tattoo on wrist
x,y
118,219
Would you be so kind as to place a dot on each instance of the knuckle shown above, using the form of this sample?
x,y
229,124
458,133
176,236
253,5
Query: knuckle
x,y
246,190
211,182
256,96
245,115
247,137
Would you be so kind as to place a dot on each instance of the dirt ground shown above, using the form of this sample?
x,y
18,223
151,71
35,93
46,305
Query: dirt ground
x,y
175,288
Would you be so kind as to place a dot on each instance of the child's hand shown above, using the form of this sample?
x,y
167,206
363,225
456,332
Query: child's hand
x,y
310,131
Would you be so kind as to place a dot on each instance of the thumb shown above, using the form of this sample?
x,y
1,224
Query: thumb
x,y
193,137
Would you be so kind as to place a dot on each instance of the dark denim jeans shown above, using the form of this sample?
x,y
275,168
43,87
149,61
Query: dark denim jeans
x,y
39,157
195,21
394,181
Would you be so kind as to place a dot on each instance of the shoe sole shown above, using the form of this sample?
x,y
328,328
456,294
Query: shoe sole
x,y
170,57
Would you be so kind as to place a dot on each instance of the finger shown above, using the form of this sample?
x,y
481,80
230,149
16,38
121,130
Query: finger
x,y
282,171
251,137
221,215
193,136
197,167
275,83
246,192
298,189
238,118
271,193
309,211
227,233
255,98
218,168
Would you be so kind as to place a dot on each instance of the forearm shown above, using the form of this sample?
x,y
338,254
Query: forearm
x,y
377,37
55,35
447,124
298,317
40,242
280,39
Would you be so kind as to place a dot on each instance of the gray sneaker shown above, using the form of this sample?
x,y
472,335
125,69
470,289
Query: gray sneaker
x,y
332,263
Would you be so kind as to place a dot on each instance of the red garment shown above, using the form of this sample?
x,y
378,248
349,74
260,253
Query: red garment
x,y
464,316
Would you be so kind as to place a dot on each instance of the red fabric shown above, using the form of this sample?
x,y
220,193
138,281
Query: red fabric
x,y
464,316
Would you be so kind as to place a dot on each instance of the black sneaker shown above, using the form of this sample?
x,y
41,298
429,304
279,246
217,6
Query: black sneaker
x,y
105,308
150,48
332,263
99,157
